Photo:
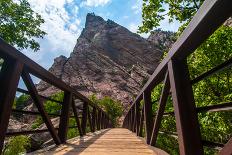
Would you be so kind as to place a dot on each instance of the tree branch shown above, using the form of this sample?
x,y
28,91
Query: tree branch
x,y
195,3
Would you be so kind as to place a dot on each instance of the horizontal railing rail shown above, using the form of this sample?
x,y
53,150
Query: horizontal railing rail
x,y
16,65
174,74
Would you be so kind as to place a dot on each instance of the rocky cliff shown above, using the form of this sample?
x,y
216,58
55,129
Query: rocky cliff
x,y
109,60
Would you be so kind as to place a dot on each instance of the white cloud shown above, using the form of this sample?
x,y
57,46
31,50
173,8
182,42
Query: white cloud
x,y
75,10
94,3
69,1
61,26
137,7
133,27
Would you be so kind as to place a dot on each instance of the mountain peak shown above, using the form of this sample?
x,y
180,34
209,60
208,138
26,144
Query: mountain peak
x,y
93,20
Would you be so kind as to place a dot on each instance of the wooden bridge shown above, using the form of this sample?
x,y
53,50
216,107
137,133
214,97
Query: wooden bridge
x,y
114,141
172,72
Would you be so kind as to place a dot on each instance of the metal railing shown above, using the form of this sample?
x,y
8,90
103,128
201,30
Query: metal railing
x,y
174,74
16,65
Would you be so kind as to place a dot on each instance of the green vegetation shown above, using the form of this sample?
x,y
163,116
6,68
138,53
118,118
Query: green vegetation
x,y
54,107
19,24
50,107
16,145
112,107
156,11
216,89
21,101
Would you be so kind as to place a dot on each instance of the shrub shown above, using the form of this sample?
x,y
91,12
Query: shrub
x,y
16,145
113,108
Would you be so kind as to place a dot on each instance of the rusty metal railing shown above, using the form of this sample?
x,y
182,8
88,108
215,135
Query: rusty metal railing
x,y
16,65
174,74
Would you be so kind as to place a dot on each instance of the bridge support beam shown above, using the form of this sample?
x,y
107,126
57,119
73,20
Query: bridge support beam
x,y
160,112
148,115
77,118
64,118
9,79
39,104
188,129
84,118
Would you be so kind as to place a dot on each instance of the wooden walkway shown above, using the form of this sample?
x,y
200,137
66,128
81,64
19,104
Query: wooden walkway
x,y
117,141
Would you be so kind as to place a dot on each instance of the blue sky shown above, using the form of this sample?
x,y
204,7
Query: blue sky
x,y
65,19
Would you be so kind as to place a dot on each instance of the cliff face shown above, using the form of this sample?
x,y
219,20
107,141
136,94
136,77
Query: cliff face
x,y
108,60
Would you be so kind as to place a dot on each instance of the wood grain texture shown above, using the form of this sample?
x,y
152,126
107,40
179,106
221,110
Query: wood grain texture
x,y
117,141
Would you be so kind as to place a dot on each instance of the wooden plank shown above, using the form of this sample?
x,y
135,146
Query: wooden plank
x,y
159,115
37,101
9,79
185,110
77,118
64,118
148,115
115,141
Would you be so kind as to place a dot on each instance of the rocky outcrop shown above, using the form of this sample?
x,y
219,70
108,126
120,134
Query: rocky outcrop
x,y
108,60
162,39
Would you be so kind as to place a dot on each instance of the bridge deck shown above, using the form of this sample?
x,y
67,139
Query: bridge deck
x,y
117,141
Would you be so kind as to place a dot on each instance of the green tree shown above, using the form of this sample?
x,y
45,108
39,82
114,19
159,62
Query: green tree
x,y
113,108
155,11
50,107
16,145
216,89
21,101
19,24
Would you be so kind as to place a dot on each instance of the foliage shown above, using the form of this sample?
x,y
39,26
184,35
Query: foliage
x,y
112,107
16,145
54,107
37,122
19,24
216,88
72,132
156,11
50,107
215,126
21,101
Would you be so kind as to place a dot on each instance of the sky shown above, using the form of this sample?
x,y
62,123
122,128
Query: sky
x,y
65,19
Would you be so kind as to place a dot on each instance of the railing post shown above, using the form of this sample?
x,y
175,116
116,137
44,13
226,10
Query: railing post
x,y
90,120
84,118
188,129
77,118
64,118
9,79
137,114
98,120
131,120
39,104
148,115
102,120
134,118
94,119
141,122
160,112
